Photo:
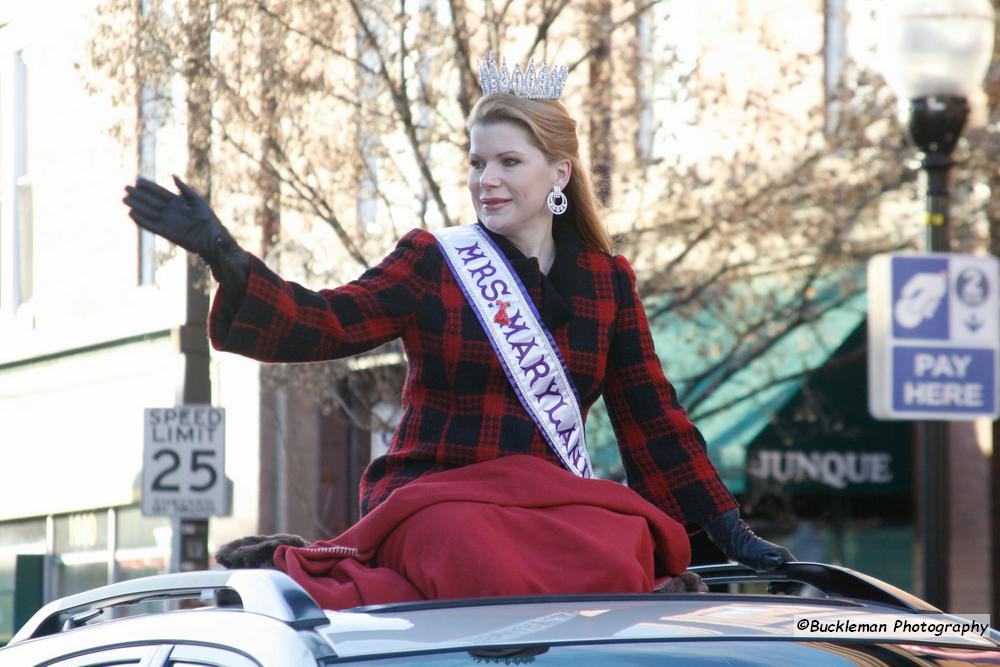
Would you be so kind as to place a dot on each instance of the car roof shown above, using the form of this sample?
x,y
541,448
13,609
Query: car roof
x,y
505,622
443,625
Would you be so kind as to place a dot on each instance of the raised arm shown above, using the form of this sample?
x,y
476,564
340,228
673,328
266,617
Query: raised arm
x,y
279,320
258,314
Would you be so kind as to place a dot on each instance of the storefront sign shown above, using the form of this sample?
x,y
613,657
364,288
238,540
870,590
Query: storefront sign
x,y
828,471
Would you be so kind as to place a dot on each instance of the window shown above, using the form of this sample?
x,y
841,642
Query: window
x,y
17,539
24,234
16,195
149,124
142,548
130,655
85,550
23,222
154,655
207,656
142,544
834,54
81,542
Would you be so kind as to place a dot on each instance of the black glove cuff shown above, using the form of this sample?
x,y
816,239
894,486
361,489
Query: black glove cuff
x,y
230,266
731,534
221,246
722,528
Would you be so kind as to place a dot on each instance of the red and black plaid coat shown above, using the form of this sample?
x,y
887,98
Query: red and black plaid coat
x,y
458,405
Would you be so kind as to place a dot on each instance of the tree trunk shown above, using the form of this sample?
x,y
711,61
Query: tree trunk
x,y
599,94
268,181
198,76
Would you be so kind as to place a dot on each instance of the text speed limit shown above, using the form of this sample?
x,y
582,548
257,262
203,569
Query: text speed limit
x,y
183,470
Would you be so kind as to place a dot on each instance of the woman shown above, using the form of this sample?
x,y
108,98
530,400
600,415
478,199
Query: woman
x,y
484,388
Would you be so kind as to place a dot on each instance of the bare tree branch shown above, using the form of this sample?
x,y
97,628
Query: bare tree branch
x,y
402,105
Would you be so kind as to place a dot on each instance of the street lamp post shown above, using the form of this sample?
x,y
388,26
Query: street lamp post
x,y
935,54
935,125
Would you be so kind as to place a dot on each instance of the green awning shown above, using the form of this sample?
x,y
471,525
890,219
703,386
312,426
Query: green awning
x,y
733,388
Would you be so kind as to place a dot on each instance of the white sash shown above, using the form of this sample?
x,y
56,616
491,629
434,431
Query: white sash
x,y
524,346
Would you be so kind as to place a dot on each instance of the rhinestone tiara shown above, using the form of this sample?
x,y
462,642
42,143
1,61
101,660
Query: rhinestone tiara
x,y
545,84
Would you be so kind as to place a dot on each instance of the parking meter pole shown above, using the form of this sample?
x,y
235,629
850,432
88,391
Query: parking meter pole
x,y
190,536
936,124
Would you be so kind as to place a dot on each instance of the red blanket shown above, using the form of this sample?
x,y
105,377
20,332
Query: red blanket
x,y
516,525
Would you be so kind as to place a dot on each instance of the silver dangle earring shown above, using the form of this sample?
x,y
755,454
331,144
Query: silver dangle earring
x,y
557,207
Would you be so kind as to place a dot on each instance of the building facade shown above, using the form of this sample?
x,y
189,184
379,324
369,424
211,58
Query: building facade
x,y
90,323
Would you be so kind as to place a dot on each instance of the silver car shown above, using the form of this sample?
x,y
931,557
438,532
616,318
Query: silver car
x,y
243,618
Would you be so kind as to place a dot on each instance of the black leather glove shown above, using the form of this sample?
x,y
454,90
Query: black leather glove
x,y
184,219
256,551
187,220
731,534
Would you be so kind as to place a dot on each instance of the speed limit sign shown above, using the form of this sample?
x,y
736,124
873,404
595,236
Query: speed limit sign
x,y
183,469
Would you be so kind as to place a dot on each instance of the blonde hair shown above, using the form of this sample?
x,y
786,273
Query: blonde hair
x,y
553,131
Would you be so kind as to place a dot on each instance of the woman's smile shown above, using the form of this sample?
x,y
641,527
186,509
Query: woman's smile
x,y
491,204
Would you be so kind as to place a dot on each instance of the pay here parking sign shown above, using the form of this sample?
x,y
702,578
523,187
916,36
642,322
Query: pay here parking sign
x,y
933,336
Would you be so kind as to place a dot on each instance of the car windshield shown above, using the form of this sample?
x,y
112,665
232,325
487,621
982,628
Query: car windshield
x,y
757,653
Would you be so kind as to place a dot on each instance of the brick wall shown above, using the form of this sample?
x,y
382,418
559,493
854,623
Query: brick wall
x,y
970,569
